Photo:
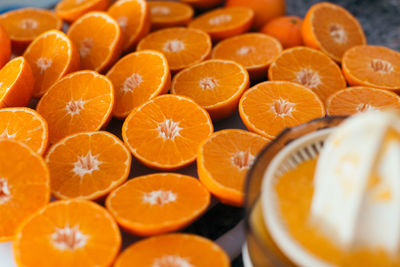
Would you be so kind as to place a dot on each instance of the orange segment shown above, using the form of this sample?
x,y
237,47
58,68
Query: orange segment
x,y
308,67
24,185
165,132
24,125
25,24
71,10
375,66
98,39
158,203
51,56
165,14
5,47
203,4
69,233
269,107
359,99
138,77
81,101
87,165
183,250
223,161
255,51
225,22
215,84
181,46
16,83
332,29
134,19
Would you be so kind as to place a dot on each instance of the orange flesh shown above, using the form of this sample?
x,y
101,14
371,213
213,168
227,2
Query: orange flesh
x,y
137,78
87,165
158,203
169,14
358,99
295,191
9,74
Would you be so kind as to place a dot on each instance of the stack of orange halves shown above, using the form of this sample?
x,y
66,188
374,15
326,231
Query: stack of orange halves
x,y
185,74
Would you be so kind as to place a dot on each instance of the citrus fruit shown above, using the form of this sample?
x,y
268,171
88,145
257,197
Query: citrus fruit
x,y
287,29
158,203
68,233
265,10
375,66
25,24
269,107
203,4
166,14
71,10
353,100
5,47
24,185
24,125
165,132
87,165
225,22
98,39
134,19
308,67
184,250
181,46
16,83
138,77
81,101
51,55
223,161
255,51
214,84
332,29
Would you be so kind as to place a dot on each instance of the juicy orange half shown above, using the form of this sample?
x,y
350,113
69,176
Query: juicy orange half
x,y
69,233
24,185
269,107
71,10
87,165
81,101
158,203
165,132
166,14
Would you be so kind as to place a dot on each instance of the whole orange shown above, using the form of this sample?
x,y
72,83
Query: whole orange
x,y
287,29
5,47
265,10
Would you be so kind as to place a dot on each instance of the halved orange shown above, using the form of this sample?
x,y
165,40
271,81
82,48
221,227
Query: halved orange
x,y
353,100
134,19
308,67
332,29
81,101
5,47
138,77
158,203
99,40
215,84
51,55
181,46
183,250
225,22
255,51
165,132
24,185
24,125
16,83
87,165
71,10
69,233
374,66
166,14
269,107
25,24
203,4
223,161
